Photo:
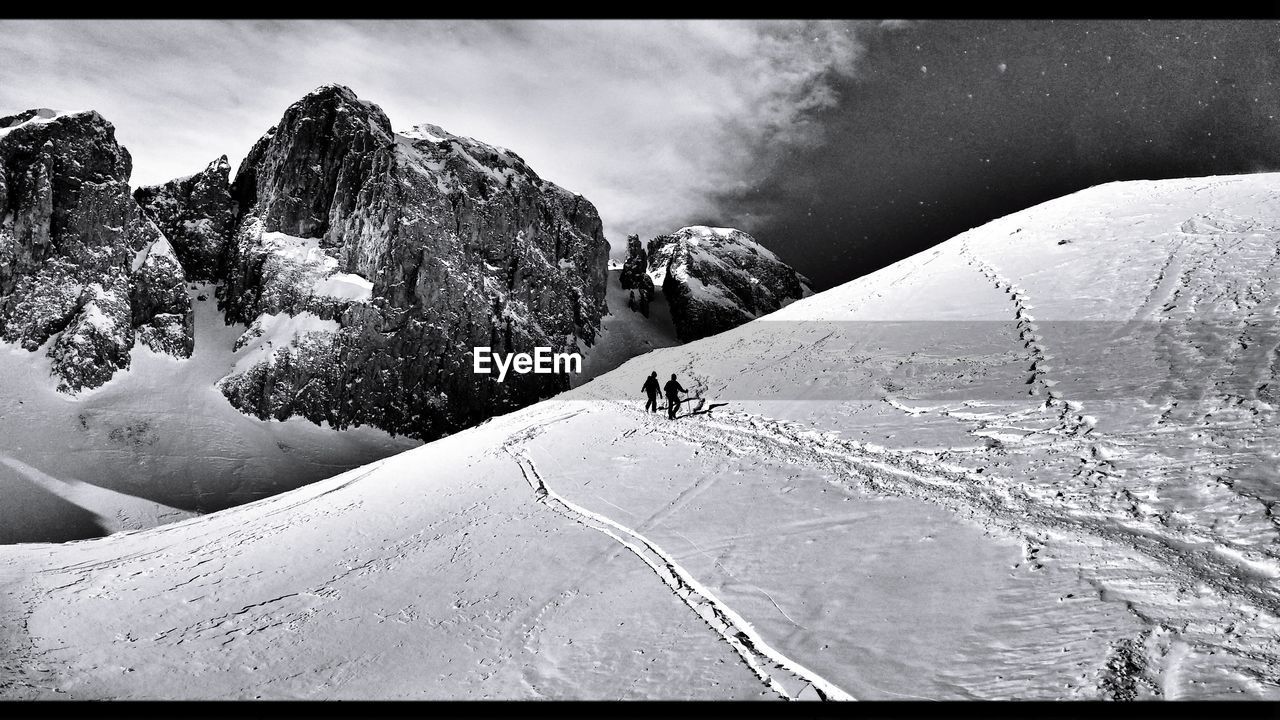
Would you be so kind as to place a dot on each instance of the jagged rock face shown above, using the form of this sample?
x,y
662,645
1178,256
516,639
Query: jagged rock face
x,y
715,279
420,246
77,257
634,275
198,216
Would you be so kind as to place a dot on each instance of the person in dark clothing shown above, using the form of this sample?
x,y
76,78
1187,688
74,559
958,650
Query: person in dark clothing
x,y
650,388
673,390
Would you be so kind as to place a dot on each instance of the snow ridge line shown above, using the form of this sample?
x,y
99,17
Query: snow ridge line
x,y
762,659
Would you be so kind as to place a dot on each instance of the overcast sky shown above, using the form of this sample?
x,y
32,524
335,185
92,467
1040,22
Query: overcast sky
x,y
841,145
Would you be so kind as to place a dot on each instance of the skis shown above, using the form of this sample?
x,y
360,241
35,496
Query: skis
x,y
700,400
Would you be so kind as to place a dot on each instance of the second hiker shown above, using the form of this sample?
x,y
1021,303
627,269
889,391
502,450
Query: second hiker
x,y
673,390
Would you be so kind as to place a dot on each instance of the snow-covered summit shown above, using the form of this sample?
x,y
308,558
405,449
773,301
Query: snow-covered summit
x,y
693,233
465,161
35,115
719,278
30,119
436,134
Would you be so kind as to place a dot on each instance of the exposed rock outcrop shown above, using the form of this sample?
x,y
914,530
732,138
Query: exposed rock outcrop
x,y
715,279
418,246
198,216
77,257
634,275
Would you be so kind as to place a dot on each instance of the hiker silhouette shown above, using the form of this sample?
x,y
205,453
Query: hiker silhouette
x,y
650,388
673,390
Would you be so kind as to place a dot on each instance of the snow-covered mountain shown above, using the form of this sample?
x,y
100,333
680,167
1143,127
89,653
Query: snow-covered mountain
x,y
398,251
1036,461
112,420
695,282
715,279
391,255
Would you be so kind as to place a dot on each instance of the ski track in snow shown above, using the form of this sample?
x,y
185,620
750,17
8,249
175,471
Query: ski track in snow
x,y
784,676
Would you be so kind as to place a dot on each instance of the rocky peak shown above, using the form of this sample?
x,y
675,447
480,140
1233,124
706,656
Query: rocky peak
x,y
83,143
367,265
718,278
219,168
78,261
634,274
325,146
198,216
409,250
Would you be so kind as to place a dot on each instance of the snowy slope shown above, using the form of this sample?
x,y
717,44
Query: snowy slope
x,y
625,333
1062,491
715,279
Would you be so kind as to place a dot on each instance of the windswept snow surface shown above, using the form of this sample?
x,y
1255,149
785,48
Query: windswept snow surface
x,y
1037,461
158,442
